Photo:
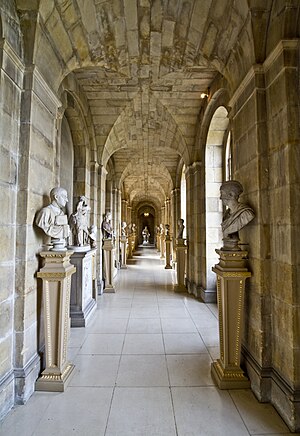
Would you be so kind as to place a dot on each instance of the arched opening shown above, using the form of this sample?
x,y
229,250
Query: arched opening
x,y
183,199
228,158
67,162
213,180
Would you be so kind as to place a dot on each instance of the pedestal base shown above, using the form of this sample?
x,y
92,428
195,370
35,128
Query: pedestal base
x,y
180,288
109,290
55,382
228,378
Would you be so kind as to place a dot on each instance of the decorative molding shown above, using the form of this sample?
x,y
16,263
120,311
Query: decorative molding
x,y
288,44
254,70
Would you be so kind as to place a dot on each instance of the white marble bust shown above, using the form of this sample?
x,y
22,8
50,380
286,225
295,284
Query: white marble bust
x,y
237,215
52,219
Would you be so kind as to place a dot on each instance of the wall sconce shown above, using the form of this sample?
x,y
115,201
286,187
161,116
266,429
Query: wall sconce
x,y
205,94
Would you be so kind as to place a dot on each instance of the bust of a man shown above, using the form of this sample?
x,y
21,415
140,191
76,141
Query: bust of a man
x,y
107,229
180,228
237,215
52,219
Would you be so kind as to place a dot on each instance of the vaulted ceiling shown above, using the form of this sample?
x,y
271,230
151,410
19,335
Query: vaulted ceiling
x,y
142,65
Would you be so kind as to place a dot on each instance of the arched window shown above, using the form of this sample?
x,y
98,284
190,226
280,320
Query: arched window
x,y
228,169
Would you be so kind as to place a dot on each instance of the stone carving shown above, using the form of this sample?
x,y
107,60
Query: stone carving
x,y
83,235
107,229
180,228
123,228
167,230
236,216
162,230
146,235
53,220
79,223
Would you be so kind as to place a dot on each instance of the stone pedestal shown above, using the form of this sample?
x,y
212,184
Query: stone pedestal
x,y
231,276
158,243
56,275
168,252
129,247
108,255
180,265
123,241
83,288
162,247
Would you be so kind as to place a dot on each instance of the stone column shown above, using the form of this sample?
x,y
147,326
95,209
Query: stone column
x,y
175,215
180,264
168,252
56,275
108,253
83,296
123,241
231,276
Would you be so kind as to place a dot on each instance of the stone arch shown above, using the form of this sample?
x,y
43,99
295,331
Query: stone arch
x,y
213,180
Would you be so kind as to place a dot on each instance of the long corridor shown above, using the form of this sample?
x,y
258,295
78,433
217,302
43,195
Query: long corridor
x,y
143,368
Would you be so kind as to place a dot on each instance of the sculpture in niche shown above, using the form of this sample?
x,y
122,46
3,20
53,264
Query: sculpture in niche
x,y
236,216
107,229
53,220
133,229
146,235
180,228
123,228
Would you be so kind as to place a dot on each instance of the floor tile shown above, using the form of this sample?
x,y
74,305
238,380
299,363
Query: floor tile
x,y
144,312
143,344
102,344
95,370
115,325
144,325
143,370
141,411
260,418
78,411
178,325
189,370
206,411
210,335
183,343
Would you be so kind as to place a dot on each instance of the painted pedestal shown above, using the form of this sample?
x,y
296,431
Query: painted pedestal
x,y
83,287
123,241
56,275
231,276
108,255
180,264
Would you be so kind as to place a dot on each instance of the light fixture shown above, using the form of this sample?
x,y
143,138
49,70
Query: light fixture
x,y
205,94
146,213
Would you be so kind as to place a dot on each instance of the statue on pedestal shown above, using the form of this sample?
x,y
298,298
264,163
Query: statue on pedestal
x,y
180,228
162,230
107,229
236,216
83,235
53,220
123,228
167,230
146,235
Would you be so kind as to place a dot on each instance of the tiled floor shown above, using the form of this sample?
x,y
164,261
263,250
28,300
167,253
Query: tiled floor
x,y
143,368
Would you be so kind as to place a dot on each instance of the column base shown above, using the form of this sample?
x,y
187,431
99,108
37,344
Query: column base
x,y
109,289
168,267
55,382
123,267
180,288
233,378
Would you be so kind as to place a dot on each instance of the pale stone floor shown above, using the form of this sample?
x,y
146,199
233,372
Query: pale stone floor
x,y
143,368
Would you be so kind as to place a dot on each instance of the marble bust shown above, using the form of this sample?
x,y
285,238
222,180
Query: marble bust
x,y
237,215
107,229
52,219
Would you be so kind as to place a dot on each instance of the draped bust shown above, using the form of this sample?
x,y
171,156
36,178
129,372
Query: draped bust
x,y
237,215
